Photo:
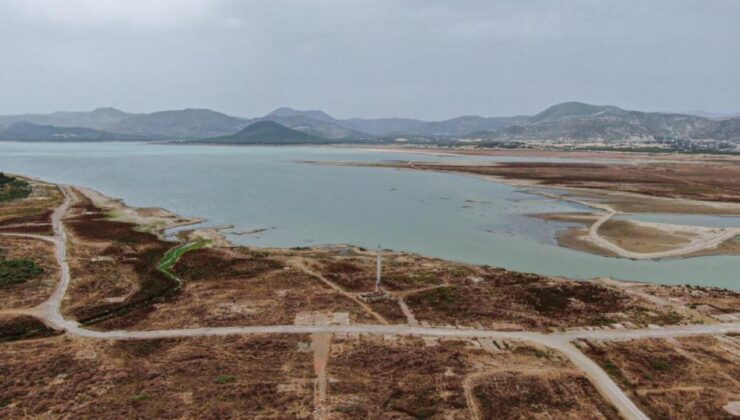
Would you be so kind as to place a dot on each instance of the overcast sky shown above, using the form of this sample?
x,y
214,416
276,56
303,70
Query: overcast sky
x,y
369,58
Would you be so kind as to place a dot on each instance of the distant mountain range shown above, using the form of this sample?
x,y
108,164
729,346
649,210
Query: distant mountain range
x,y
570,121
575,121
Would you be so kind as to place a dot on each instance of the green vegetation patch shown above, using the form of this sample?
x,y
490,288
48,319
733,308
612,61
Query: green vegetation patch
x,y
442,295
660,365
615,372
173,255
143,396
17,271
13,188
225,379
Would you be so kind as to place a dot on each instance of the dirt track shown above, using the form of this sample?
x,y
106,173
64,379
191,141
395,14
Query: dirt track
x,y
706,239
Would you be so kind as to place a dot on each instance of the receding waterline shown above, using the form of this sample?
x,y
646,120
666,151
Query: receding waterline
x,y
254,188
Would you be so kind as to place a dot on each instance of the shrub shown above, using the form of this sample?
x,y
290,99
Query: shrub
x,y
225,379
13,188
17,271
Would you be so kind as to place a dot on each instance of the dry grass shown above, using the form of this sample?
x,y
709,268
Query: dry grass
x,y
677,378
183,378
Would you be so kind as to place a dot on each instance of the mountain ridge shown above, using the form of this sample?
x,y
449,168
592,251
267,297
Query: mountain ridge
x,y
26,131
567,121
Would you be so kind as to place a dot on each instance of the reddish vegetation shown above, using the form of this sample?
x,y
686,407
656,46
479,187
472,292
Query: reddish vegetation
x,y
90,223
186,378
399,380
349,275
682,378
390,310
239,286
708,180
210,264
409,377
530,301
33,223
23,327
512,395
400,273
123,247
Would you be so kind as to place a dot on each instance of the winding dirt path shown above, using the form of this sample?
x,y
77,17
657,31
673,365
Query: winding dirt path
x,y
704,240
49,312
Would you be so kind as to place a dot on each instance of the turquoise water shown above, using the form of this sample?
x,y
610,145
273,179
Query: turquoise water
x,y
450,216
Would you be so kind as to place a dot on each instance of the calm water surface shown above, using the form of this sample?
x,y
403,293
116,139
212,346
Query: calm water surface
x,y
450,216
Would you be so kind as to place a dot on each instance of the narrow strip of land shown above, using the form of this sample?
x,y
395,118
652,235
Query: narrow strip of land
x,y
702,242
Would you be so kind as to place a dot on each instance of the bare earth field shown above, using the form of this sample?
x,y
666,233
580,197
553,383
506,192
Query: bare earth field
x,y
147,327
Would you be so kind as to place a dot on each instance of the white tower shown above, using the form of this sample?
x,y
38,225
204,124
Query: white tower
x,y
377,275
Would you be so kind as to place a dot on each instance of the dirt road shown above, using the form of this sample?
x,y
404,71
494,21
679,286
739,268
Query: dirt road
x,y
705,239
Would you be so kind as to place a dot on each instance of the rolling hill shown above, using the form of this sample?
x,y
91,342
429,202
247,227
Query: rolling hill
x,y
25,131
266,132
314,123
180,124
99,119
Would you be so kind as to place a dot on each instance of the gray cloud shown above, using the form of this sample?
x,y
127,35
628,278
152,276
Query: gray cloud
x,y
418,58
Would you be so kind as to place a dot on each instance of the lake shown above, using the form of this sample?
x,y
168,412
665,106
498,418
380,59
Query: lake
x,y
456,217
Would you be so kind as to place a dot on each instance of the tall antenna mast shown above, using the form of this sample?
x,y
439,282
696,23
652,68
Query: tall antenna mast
x,y
377,275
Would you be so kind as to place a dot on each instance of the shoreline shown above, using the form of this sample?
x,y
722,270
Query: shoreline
x,y
554,153
215,235
528,186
